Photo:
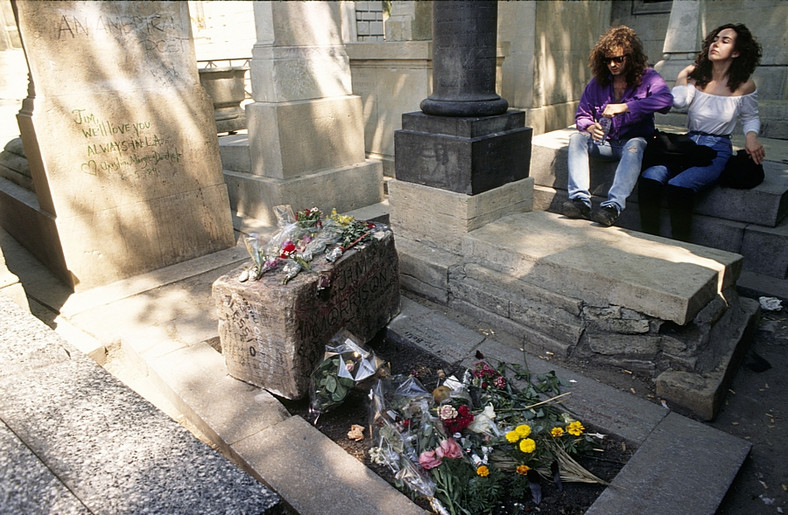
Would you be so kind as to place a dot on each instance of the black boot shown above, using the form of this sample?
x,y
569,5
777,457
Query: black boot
x,y
649,203
680,202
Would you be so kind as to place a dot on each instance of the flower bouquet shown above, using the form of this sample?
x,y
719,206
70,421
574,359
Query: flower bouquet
x,y
303,235
346,363
477,438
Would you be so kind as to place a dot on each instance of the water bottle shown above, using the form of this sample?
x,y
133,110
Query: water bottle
x,y
606,123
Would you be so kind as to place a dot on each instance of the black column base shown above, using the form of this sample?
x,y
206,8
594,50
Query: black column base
x,y
468,155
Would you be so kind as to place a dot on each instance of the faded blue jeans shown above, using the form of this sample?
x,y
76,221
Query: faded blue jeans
x,y
696,178
628,153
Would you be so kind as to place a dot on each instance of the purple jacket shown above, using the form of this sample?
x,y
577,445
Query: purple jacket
x,y
643,101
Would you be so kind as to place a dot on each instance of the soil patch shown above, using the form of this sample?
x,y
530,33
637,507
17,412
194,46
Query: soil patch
x,y
405,359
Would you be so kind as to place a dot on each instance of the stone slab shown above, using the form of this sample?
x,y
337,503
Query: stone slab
x,y
274,334
315,476
111,449
28,485
650,482
652,275
423,328
452,153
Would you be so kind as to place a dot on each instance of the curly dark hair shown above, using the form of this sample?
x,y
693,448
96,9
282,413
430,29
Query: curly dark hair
x,y
619,37
741,68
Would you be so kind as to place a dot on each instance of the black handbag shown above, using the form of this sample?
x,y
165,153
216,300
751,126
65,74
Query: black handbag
x,y
741,172
676,151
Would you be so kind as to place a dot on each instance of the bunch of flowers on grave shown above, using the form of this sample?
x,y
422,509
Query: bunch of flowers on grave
x,y
478,438
346,364
303,235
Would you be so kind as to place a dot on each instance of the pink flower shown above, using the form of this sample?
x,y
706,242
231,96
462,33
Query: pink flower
x,y
429,460
449,448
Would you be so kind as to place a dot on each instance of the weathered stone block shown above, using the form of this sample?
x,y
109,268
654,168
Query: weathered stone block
x,y
274,334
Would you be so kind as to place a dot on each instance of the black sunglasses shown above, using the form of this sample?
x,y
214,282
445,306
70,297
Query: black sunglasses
x,y
618,59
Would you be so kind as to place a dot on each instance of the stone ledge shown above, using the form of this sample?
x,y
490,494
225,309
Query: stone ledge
x,y
652,275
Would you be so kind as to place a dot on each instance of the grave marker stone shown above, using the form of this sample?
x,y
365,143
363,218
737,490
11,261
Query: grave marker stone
x,y
273,334
121,141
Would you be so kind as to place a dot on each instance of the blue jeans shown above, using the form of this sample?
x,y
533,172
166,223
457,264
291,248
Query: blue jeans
x,y
628,153
696,178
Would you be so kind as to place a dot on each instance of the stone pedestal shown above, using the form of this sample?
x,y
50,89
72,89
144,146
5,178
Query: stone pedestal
x,y
306,129
273,335
682,41
468,155
225,86
121,143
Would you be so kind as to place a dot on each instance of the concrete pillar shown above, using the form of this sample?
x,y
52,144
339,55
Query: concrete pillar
x,y
306,134
463,162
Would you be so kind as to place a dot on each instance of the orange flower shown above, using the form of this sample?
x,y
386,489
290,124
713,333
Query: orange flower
x,y
523,469
483,471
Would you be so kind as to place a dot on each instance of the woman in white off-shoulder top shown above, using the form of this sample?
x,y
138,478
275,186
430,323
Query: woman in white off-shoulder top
x,y
716,91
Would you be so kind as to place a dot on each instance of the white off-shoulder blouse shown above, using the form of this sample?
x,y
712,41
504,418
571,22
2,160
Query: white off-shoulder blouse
x,y
714,114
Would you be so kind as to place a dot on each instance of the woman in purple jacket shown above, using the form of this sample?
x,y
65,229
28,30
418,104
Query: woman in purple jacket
x,y
627,93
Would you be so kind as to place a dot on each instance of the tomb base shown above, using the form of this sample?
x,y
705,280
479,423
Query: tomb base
x,y
273,334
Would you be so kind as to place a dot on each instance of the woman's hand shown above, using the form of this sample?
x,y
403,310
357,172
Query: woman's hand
x,y
754,148
681,79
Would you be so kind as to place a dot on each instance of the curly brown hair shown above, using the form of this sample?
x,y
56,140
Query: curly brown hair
x,y
619,37
741,68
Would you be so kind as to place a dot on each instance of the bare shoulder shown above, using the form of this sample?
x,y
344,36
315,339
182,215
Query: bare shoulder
x,y
746,88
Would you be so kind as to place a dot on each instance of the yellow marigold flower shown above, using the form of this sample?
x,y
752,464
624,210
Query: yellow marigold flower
x,y
483,471
527,445
557,432
523,430
522,469
575,428
512,436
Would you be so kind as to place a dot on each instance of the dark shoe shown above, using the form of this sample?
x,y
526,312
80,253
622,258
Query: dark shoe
x,y
606,215
576,208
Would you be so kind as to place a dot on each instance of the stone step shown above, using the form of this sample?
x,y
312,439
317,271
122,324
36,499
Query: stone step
x,y
649,274
766,204
80,441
